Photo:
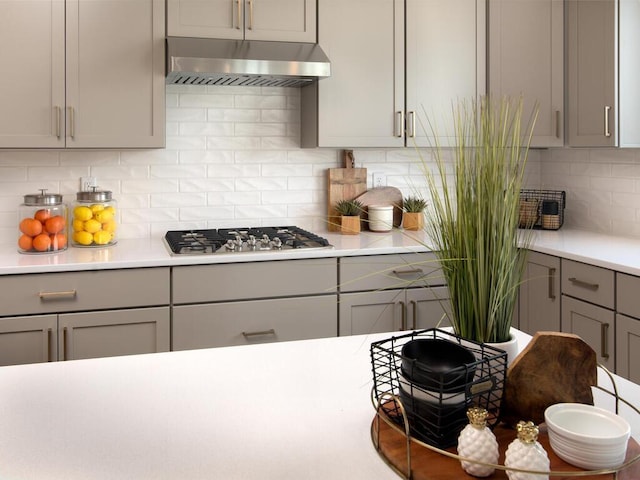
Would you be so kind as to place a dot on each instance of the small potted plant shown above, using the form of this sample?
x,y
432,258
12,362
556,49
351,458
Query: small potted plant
x,y
413,213
349,211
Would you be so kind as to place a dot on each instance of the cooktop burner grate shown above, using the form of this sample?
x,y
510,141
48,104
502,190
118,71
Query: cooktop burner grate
x,y
238,240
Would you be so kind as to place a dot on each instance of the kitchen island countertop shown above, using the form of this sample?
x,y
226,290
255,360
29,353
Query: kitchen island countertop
x,y
291,410
617,253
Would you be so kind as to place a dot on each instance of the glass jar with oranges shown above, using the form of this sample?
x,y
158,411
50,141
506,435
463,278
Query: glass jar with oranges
x,y
42,223
94,219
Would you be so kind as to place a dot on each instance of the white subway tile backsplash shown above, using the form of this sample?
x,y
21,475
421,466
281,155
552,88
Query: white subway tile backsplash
x,y
206,185
256,184
233,143
181,199
206,100
215,129
178,171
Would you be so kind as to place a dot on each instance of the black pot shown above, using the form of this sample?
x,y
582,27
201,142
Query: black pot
x,y
437,364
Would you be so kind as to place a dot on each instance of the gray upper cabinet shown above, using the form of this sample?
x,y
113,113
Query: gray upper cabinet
x,y
282,20
526,58
86,74
365,103
591,73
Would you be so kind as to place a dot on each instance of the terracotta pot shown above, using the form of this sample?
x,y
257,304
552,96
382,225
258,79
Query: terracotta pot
x,y
413,220
350,225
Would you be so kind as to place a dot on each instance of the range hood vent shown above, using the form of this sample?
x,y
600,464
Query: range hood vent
x,y
204,61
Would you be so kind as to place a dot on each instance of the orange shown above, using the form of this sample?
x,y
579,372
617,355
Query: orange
x,y
42,242
42,215
25,242
54,224
31,227
58,241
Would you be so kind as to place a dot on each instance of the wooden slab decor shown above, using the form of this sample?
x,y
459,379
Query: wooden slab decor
x,y
553,368
343,184
384,196
427,464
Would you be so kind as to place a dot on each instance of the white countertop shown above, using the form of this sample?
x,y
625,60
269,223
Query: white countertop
x,y
617,253
292,410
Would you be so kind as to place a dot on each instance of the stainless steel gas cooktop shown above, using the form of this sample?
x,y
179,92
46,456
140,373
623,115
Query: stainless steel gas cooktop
x,y
242,240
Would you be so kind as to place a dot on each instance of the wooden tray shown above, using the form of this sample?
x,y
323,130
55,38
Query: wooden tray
x,y
427,464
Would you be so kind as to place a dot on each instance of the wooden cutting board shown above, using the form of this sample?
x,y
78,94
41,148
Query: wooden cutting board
x,y
385,196
344,183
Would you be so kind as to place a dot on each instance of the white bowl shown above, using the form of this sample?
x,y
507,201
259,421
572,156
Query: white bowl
x,y
430,396
587,436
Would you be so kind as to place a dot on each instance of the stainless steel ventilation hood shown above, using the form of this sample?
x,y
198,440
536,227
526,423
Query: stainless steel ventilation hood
x,y
204,61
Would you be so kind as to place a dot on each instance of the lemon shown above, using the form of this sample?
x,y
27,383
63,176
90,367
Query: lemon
x,y
82,213
96,207
92,226
109,226
111,209
103,216
78,225
83,238
101,237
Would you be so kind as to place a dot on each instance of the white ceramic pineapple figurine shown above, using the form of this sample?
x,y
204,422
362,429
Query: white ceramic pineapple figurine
x,y
526,453
477,442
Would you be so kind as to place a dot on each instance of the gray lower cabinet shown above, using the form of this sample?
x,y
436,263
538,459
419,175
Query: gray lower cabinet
x,y
245,303
384,293
28,339
72,315
393,310
539,304
628,347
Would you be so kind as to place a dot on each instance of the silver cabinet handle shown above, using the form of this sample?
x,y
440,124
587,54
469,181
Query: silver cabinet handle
x,y
47,347
271,331
72,123
250,14
414,319
57,295
58,112
552,290
239,24
604,340
411,117
410,271
64,343
403,312
557,123
583,284
607,131
399,124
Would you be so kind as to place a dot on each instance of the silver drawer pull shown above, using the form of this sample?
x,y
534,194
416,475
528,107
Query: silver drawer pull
x,y
552,289
271,331
411,271
583,284
57,295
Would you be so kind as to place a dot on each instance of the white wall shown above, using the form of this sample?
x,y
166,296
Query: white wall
x,y
233,158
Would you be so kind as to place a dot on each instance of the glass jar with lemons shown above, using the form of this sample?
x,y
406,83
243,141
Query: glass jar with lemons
x,y
94,219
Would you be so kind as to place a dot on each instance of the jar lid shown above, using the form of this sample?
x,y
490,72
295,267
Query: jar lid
x,y
43,198
381,207
94,196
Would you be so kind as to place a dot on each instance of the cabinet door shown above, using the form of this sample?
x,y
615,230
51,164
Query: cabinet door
x,y
257,321
595,325
361,104
111,333
32,83
205,18
526,58
628,347
372,312
28,340
282,20
591,82
428,308
115,74
445,54
540,294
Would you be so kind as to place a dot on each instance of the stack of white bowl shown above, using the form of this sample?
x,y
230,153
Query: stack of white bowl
x,y
586,436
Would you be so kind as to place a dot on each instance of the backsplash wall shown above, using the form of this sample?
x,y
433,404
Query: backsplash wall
x,y
232,158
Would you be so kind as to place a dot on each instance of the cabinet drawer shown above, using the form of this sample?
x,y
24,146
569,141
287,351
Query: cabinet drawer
x,y
257,321
379,272
627,288
80,291
589,283
216,283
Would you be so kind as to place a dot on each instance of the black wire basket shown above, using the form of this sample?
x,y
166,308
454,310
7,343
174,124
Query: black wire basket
x,y
542,209
436,415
